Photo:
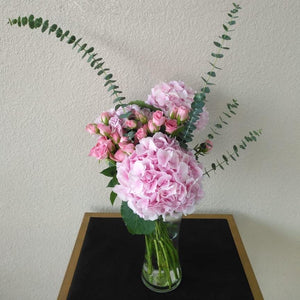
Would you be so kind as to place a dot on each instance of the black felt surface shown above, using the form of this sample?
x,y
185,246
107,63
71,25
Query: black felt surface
x,y
110,263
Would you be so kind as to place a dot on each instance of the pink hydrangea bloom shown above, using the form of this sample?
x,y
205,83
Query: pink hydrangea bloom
x,y
159,178
170,96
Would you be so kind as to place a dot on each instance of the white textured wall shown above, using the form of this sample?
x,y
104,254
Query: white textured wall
x,y
48,95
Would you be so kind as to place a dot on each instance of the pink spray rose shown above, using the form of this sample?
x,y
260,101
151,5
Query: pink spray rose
x,y
119,156
158,118
104,129
159,178
182,113
92,128
171,126
152,127
102,149
104,117
132,124
141,133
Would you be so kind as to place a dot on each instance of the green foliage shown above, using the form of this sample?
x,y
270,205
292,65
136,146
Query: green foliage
x,y
35,23
186,135
215,130
252,137
220,46
134,223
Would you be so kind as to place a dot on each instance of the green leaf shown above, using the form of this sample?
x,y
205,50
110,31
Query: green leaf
x,y
59,32
134,223
220,165
212,74
90,50
100,72
31,24
95,61
110,171
72,39
66,33
125,115
118,99
112,87
112,197
82,47
52,28
113,182
205,90
218,44
108,76
226,37
91,57
217,55
19,22
24,21
45,26
76,43
231,22
225,27
213,166
210,136
38,22
225,159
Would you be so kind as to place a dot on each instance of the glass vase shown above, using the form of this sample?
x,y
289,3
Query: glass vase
x,y
161,269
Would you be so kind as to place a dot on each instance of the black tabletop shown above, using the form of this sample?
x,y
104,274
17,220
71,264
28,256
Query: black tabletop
x,y
110,263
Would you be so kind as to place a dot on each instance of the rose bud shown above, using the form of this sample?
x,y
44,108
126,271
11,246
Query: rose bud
x,y
173,114
132,124
92,128
182,113
152,127
141,133
158,118
104,117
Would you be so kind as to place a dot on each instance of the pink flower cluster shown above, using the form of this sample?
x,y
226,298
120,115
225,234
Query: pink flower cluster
x,y
159,178
175,100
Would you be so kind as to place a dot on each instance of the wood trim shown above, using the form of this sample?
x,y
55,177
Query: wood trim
x,y
66,284
245,260
64,290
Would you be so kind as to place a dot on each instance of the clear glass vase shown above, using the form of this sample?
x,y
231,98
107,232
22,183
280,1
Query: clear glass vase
x,y
161,269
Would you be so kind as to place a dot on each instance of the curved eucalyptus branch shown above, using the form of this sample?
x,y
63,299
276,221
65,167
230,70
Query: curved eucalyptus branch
x,y
200,98
95,63
252,137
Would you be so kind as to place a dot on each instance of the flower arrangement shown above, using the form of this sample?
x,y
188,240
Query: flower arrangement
x,y
145,143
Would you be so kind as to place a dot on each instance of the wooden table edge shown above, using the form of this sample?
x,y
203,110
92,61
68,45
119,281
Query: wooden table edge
x,y
66,284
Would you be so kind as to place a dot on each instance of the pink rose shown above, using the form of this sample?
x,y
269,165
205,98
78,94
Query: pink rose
x,y
152,127
104,129
119,156
104,117
128,148
92,128
182,113
115,137
141,133
102,149
171,126
158,118
173,113
132,124
141,117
